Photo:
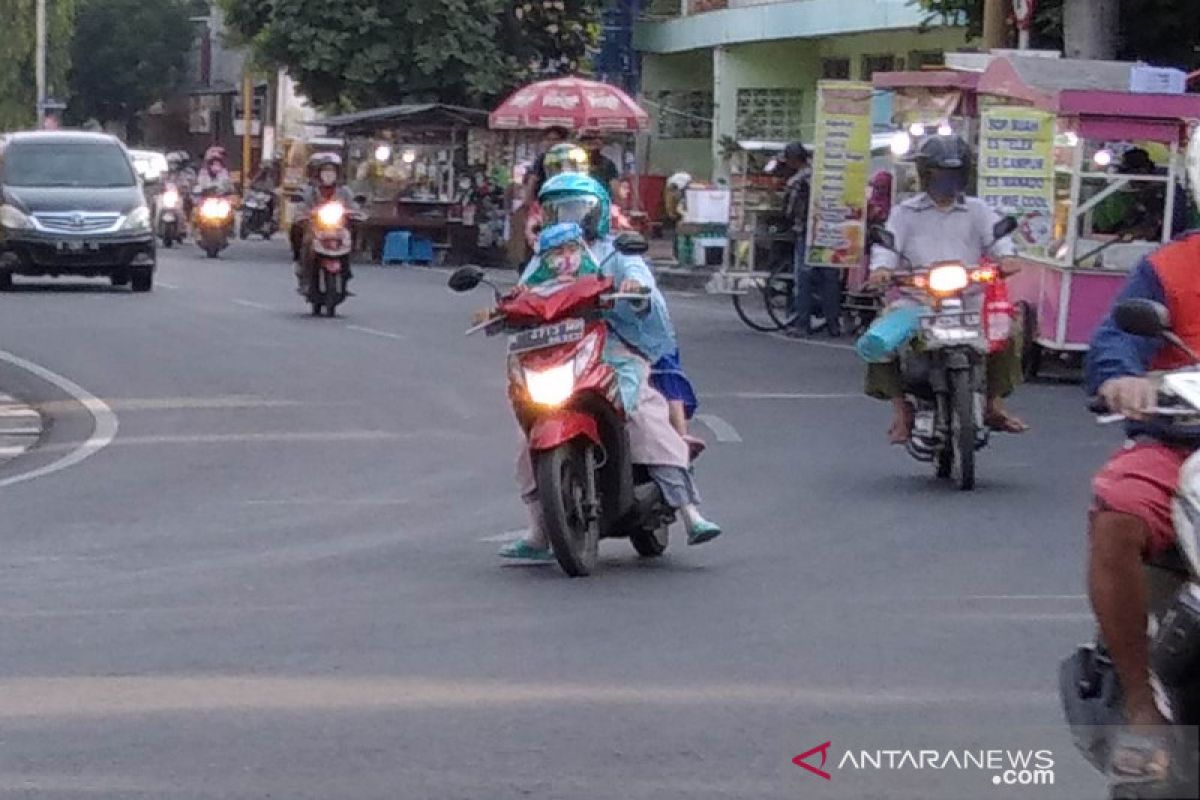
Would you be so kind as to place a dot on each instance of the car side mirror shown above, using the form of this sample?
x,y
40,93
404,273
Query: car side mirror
x,y
883,237
1004,227
1142,318
464,279
631,244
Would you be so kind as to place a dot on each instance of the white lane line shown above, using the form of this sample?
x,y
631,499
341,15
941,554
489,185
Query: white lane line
x,y
376,332
1032,597
166,285
17,412
11,452
19,431
104,428
812,342
237,301
720,428
783,395
506,537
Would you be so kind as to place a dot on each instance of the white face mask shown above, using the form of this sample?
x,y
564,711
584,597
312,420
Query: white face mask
x,y
329,177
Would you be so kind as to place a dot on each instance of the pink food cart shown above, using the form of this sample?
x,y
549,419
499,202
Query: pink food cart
x,y
1063,290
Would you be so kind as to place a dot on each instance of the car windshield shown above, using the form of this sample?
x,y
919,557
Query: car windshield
x,y
93,165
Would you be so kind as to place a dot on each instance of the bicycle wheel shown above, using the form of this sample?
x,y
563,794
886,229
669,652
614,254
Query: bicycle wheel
x,y
780,292
750,303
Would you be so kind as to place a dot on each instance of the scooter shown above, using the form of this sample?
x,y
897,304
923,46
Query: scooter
x,y
257,216
326,254
214,220
1088,684
945,372
170,216
566,398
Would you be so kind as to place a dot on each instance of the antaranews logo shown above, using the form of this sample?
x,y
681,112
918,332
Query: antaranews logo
x,y
1025,768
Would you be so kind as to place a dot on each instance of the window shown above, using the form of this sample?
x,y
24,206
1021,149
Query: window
x,y
835,69
873,64
683,114
919,59
94,165
770,114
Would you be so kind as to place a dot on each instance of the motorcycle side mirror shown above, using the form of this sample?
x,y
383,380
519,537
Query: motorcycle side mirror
x,y
464,279
883,237
1004,227
1142,318
631,244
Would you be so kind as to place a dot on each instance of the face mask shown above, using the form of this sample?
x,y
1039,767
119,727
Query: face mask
x,y
945,184
329,177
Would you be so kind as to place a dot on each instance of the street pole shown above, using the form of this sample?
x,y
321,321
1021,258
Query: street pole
x,y
247,120
995,24
40,62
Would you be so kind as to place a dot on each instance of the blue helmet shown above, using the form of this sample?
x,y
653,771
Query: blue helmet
x,y
575,197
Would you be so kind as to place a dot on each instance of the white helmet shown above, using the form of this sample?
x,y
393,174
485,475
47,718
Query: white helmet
x,y
1193,166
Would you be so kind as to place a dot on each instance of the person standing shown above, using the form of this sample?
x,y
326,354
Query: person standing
x,y
823,283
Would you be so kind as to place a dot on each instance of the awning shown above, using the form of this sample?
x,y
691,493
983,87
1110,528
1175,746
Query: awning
x,y
439,115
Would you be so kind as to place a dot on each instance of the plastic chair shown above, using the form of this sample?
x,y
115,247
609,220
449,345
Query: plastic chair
x,y
397,247
420,250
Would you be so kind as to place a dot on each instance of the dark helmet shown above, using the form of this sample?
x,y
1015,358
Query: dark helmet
x,y
944,152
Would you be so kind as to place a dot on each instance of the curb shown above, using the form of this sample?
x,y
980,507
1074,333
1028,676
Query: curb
x,y
20,428
681,278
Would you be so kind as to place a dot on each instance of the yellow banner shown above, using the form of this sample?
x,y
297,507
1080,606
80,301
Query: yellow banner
x,y
838,210
1016,172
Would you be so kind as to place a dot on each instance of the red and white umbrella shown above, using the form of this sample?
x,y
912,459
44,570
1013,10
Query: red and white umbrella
x,y
574,103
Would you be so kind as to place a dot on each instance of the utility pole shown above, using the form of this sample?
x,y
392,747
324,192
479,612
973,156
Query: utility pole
x,y
247,123
40,62
995,24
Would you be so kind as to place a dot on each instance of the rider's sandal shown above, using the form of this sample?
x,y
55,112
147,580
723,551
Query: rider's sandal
x,y
521,550
1004,423
1140,758
699,530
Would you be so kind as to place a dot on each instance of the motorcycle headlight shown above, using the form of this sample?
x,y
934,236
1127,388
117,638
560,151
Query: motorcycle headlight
x,y
13,218
330,215
137,220
551,387
170,199
948,278
215,208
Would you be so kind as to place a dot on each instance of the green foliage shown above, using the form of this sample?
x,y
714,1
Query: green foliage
x,y
17,90
128,54
360,53
1162,32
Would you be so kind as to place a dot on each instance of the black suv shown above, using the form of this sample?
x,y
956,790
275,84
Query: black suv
x,y
71,204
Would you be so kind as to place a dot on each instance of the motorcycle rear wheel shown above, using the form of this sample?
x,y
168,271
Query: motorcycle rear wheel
x,y
562,487
962,428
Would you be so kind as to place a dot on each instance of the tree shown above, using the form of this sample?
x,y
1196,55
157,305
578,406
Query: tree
x,y
1157,31
358,53
18,105
127,55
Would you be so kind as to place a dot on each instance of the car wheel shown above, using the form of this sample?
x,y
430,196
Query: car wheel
x,y
6,281
142,281
119,279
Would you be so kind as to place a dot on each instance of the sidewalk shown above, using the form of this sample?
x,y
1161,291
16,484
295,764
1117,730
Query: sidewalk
x,y
20,427
670,274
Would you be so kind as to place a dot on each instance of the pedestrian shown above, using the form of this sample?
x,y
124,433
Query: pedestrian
x,y
825,283
600,166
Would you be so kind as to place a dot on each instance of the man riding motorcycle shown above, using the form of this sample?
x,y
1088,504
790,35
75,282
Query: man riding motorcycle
x,y
640,339
325,185
1130,518
942,224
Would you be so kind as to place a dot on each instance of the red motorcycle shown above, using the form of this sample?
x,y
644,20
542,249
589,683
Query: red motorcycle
x,y
566,399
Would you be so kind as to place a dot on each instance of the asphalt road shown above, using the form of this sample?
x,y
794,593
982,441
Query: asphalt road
x,y
279,579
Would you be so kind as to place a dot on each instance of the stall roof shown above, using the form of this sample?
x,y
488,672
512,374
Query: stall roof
x,y
412,114
927,79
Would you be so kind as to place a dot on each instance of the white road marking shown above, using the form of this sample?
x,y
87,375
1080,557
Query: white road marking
x,y
17,412
251,304
1033,597
294,437
325,501
20,431
812,342
783,395
376,332
720,428
166,285
11,452
104,428
506,537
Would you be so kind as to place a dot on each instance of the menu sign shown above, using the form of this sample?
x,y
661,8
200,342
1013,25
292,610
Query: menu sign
x,y
1016,172
838,210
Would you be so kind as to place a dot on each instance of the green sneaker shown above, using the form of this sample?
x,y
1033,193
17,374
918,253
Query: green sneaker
x,y
702,531
521,550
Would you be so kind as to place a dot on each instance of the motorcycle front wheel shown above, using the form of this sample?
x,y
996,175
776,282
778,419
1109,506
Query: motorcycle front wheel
x,y
962,428
333,293
562,490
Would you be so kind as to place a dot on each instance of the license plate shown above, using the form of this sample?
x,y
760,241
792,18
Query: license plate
x,y
546,336
168,216
955,319
332,266
73,246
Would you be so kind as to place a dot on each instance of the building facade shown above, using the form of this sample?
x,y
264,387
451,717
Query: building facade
x,y
714,70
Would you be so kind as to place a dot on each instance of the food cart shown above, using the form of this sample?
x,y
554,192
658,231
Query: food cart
x,y
1057,142
414,164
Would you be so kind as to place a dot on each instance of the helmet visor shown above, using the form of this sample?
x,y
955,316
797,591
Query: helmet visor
x,y
570,209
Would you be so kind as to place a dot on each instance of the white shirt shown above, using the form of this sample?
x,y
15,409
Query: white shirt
x,y
926,234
